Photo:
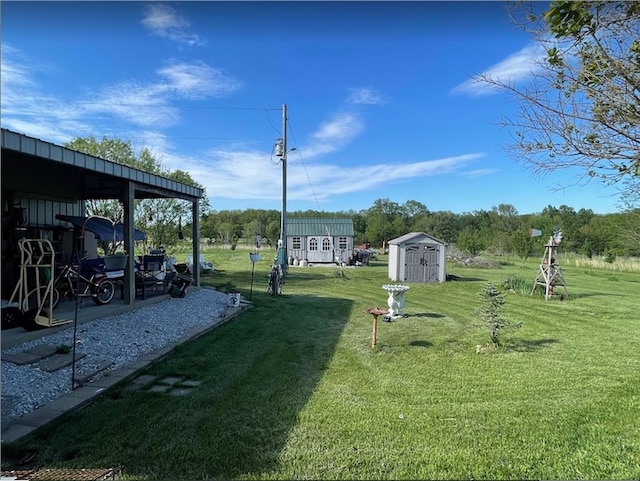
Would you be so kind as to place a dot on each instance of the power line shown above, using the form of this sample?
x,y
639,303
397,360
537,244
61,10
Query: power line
x,y
198,106
304,167
269,120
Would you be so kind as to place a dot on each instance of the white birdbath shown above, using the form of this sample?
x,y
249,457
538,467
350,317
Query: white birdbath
x,y
395,301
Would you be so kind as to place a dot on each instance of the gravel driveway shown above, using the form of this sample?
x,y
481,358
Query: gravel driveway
x,y
118,339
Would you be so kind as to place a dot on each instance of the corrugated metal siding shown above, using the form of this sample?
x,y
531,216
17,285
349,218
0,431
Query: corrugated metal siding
x,y
42,212
331,227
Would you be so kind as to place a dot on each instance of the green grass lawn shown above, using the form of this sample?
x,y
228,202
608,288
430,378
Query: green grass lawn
x,y
292,389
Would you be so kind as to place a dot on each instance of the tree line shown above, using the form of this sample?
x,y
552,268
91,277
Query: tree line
x,y
501,230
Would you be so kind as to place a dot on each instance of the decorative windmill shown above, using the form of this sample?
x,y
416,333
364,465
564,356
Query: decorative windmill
x,y
550,274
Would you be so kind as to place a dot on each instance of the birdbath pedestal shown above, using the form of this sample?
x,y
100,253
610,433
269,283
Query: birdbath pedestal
x,y
395,301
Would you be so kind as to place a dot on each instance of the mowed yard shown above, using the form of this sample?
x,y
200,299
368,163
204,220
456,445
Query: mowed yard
x,y
292,389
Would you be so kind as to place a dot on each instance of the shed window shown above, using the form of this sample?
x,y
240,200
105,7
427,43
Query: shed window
x,y
296,243
342,242
326,244
313,244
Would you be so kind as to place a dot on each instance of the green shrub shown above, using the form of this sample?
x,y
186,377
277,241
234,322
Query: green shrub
x,y
518,284
489,313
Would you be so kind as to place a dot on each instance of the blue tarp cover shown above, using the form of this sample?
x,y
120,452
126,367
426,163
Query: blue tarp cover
x,y
102,228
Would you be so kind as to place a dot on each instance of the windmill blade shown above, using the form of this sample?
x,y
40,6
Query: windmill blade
x,y
535,233
557,236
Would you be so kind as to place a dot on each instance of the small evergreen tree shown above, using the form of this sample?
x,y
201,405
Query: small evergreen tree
x,y
489,313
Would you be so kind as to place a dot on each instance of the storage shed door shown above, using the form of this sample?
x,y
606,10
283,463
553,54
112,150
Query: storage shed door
x,y
421,263
413,265
430,256
320,249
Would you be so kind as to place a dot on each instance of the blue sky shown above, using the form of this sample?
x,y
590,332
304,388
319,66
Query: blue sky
x,y
379,99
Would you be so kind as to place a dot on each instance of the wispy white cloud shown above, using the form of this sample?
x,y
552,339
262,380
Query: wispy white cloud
x,y
167,22
26,108
139,103
238,174
197,80
337,132
478,173
519,66
334,134
336,179
129,103
13,73
144,108
365,96
250,174
149,103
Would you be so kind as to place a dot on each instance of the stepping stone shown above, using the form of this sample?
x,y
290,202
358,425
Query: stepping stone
x,y
158,388
58,361
143,380
179,391
170,381
191,383
82,380
43,350
139,382
34,354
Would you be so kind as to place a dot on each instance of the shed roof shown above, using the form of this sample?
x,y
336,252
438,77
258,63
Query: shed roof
x,y
319,226
415,237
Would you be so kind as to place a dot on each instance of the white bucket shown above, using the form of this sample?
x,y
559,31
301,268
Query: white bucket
x,y
234,299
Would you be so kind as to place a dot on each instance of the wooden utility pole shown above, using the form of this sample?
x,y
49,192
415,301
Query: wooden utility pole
x,y
281,151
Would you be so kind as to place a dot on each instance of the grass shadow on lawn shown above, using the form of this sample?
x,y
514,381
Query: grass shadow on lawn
x,y
432,315
530,345
572,295
257,374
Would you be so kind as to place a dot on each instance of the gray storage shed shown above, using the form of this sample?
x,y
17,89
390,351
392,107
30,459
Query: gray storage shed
x,y
318,240
417,257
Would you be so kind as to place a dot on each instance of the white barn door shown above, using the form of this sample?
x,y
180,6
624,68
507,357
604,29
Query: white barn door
x,y
320,249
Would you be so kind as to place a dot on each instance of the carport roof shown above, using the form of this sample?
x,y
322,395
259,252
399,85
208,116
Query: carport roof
x,y
34,166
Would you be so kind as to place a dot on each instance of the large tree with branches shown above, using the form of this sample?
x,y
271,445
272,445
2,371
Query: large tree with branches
x,y
160,219
580,109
